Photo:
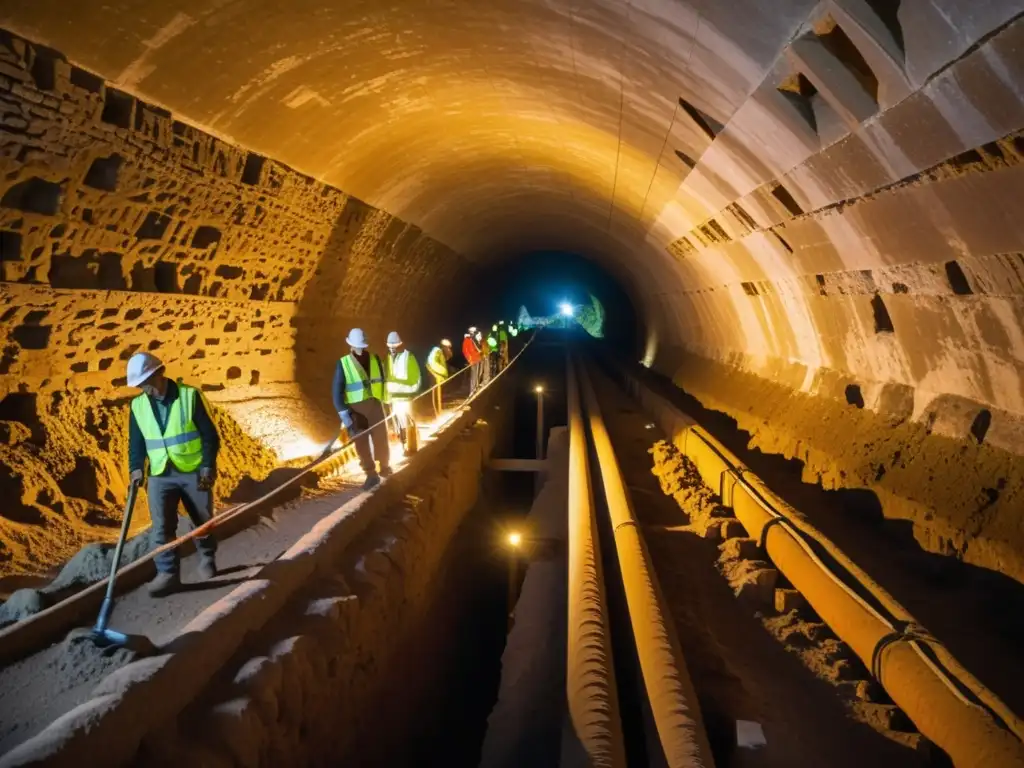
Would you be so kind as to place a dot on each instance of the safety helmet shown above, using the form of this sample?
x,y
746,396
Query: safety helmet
x,y
494,327
472,329
141,366
356,338
445,343
394,340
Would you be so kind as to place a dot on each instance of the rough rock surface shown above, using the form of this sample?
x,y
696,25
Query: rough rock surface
x,y
125,229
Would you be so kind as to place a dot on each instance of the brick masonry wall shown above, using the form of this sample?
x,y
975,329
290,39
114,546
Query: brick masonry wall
x,y
125,229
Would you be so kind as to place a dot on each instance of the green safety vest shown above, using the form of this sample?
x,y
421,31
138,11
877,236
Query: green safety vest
x,y
492,343
437,363
180,440
502,335
359,386
403,376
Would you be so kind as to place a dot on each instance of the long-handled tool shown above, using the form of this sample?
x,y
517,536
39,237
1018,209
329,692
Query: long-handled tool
x,y
101,635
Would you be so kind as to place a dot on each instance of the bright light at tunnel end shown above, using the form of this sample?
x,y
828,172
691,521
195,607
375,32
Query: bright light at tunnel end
x,y
566,309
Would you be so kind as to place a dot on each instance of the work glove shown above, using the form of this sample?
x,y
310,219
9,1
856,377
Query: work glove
x,y
136,477
348,422
206,477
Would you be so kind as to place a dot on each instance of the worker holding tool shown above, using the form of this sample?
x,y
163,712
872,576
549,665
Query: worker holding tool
x,y
402,381
169,426
471,352
437,364
358,398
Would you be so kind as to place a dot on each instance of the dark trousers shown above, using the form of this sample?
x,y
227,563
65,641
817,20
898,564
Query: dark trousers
x,y
165,493
367,414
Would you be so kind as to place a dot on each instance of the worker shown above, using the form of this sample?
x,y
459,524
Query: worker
x,y
471,353
502,345
492,350
437,364
168,425
402,382
358,398
485,360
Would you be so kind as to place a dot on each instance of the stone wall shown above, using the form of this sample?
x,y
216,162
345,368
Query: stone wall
x,y
124,229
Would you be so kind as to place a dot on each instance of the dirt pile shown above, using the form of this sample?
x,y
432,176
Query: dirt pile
x,y
962,496
679,478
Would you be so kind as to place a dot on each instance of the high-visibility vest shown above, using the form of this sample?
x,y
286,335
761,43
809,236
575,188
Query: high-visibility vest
x,y
180,439
403,376
358,385
437,363
493,344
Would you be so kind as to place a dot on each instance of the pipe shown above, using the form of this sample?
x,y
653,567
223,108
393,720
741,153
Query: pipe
x,y
898,652
589,675
669,688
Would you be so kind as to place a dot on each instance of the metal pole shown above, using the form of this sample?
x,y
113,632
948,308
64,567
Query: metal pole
x,y
540,424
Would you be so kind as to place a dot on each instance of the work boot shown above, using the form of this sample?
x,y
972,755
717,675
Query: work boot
x,y
207,569
386,471
371,482
164,584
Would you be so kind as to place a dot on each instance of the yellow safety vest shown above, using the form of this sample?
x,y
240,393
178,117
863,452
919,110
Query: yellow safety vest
x,y
437,363
180,439
403,376
359,386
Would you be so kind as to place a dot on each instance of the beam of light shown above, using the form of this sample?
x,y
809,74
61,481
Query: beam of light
x,y
566,309
539,389
515,539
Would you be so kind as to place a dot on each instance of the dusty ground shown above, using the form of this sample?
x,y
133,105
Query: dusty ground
x,y
39,688
738,664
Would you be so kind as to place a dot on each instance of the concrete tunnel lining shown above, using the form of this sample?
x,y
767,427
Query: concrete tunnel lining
x,y
819,214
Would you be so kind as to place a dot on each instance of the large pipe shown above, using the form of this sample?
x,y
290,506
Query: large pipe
x,y
590,675
901,656
669,688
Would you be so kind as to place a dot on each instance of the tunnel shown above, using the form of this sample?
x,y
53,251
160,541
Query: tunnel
x,y
799,217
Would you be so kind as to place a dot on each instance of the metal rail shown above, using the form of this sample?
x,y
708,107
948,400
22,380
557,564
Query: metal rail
x,y
590,675
670,690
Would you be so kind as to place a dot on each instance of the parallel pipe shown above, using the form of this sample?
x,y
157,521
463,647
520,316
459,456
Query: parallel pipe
x,y
669,688
590,675
900,654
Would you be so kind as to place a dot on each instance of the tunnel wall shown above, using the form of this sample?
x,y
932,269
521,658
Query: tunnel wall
x,y
125,229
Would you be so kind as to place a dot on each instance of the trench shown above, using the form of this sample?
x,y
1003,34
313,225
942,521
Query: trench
x,y
443,680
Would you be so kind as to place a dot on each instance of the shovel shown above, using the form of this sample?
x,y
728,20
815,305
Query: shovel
x,y
109,640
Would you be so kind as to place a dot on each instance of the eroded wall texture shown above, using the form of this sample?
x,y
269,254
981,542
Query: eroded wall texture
x,y
125,229
816,199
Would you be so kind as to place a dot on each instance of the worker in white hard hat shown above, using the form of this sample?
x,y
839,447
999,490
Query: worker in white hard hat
x,y
402,382
169,426
437,364
358,398
471,353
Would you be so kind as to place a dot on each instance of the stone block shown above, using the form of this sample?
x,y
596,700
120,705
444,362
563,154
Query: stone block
x,y
740,548
787,600
732,529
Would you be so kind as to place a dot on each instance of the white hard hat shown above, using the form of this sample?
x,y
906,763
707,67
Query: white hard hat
x,y
472,329
141,366
394,339
356,338
445,343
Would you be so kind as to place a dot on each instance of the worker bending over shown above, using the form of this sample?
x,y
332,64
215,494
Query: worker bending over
x,y
471,352
169,426
358,398
402,382
437,364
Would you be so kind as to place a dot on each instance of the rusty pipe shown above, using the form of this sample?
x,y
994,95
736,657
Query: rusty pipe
x,y
670,690
590,675
898,653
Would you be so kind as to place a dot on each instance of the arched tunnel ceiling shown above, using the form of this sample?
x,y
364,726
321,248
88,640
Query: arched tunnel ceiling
x,y
488,124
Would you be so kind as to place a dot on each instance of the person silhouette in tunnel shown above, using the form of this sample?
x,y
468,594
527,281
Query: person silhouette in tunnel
x,y
402,381
471,352
437,364
358,392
